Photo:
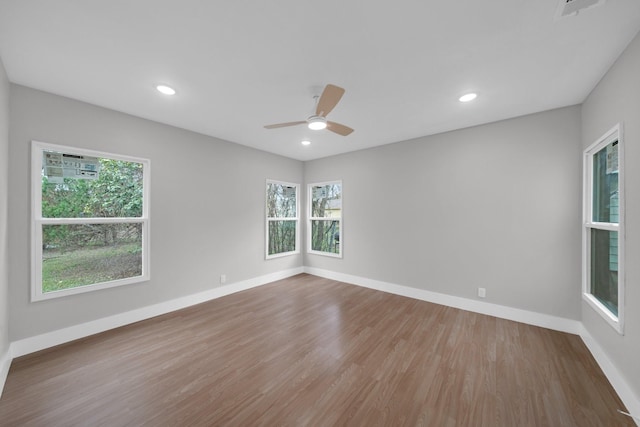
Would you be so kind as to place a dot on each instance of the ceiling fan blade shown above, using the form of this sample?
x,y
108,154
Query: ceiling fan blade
x,y
283,125
339,129
328,100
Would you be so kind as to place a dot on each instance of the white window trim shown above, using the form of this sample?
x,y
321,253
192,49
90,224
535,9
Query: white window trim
x,y
37,221
268,219
587,212
311,218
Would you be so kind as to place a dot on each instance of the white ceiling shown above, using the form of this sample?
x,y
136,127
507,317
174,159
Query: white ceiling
x,y
239,65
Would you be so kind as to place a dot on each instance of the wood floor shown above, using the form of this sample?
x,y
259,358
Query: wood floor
x,y
307,351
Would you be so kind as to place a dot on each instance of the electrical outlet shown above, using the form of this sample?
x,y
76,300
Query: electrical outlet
x,y
223,279
482,292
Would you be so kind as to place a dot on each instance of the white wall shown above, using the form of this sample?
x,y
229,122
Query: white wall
x,y
207,208
4,189
617,99
494,206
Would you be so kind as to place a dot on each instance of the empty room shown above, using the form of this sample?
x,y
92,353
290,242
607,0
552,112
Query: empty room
x,y
318,214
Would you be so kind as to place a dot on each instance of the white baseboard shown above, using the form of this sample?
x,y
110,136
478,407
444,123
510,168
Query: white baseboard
x,y
628,397
61,336
501,311
5,364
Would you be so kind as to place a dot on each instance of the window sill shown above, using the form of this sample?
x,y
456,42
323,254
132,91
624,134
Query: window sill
x,y
598,307
281,255
329,254
39,296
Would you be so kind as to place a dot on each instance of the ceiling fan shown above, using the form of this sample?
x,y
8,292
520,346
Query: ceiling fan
x,y
327,101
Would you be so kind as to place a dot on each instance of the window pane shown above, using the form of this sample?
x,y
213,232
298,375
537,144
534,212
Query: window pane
x,y
281,201
605,184
326,201
84,254
604,268
75,186
282,236
325,236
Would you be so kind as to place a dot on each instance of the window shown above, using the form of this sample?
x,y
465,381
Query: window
x,y
282,219
603,231
90,220
325,218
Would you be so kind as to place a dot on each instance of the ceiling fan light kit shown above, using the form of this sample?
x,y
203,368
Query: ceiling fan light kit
x,y
317,123
330,97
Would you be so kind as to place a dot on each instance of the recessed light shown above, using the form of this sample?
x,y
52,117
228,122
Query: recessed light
x,y
305,142
167,90
468,97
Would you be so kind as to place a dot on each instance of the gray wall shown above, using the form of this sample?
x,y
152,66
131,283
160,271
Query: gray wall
x,y
207,207
617,99
494,206
4,195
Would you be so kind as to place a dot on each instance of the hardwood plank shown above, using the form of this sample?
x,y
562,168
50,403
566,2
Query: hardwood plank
x,y
312,351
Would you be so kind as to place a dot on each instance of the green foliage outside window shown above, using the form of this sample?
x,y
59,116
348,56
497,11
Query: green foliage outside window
x,y
117,193
326,211
325,236
76,255
282,219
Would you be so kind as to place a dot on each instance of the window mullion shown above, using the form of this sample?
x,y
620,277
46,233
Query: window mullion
x,y
603,226
91,220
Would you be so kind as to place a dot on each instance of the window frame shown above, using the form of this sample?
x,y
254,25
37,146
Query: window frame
x,y
311,218
615,133
38,221
269,219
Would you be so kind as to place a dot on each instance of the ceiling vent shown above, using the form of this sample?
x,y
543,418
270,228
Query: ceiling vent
x,y
573,7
